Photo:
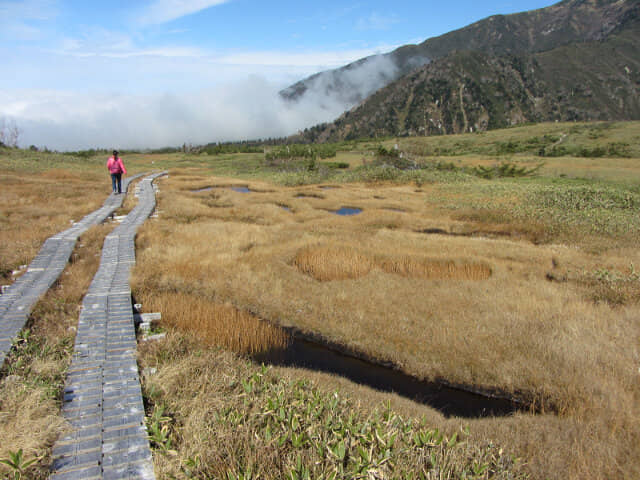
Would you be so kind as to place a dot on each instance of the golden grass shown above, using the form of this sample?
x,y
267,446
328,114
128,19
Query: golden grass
x,y
32,377
555,323
28,420
400,300
217,324
34,206
434,269
327,263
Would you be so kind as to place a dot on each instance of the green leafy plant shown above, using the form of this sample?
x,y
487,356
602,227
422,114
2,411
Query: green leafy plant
x,y
158,426
503,170
18,464
191,466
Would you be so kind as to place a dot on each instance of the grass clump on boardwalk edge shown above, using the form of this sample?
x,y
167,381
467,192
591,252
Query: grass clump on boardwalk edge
x,y
222,417
217,324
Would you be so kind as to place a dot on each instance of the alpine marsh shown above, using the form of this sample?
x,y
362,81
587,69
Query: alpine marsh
x,y
524,286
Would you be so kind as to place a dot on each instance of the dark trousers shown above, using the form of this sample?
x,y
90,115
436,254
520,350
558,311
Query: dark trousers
x,y
116,182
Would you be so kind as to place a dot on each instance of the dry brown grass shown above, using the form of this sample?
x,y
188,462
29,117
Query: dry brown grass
x,y
34,206
327,263
217,324
434,269
515,331
32,377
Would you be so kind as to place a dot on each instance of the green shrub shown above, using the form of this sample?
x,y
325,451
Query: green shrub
x,y
503,170
336,165
299,151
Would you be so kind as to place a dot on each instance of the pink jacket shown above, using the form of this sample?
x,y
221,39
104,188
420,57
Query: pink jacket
x,y
116,166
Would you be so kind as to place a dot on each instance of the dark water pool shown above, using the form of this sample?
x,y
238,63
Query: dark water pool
x,y
449,401
240,189
346,211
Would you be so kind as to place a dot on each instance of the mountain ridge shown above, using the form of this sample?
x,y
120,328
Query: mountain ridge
x,y
566,22
469,90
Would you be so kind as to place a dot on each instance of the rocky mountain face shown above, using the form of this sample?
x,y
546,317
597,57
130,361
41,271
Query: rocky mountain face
x,y
538,30
576,60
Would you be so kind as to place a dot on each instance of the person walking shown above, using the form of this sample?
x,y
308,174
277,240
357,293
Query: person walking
x,y
116,169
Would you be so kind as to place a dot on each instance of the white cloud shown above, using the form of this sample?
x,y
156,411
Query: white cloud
x,y
28,10
167,52
93,41
244,107
376,21
355,83
22,21
216,100
325,59
101,42
243,110
163,11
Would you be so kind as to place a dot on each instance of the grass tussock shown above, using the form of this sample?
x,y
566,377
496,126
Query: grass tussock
x,y
217,324
434,269
212,415
328,263
32,376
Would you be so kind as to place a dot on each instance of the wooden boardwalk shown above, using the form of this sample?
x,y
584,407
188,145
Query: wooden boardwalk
x,y
18,300
102,396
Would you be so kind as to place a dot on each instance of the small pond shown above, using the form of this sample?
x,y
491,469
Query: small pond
x,y
346,211
241,189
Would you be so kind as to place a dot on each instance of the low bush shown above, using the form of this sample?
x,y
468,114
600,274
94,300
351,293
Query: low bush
x,y
297,151
504,170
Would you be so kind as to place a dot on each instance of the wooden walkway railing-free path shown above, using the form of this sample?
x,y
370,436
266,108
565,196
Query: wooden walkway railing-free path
x,y
102,396
18,299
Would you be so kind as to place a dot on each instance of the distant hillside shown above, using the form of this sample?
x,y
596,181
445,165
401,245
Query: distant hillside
x,y
569,21
471,91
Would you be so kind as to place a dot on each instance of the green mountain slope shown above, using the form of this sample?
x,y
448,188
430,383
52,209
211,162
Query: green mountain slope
x,y
471,91
569,21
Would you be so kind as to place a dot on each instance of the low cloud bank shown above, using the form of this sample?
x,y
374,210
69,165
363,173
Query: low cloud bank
x,y
348,85
243,110
250,109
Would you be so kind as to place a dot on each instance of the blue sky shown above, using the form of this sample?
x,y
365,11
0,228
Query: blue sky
x,y
67,61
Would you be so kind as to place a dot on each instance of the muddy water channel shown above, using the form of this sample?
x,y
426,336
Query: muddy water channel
x,y
449,401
